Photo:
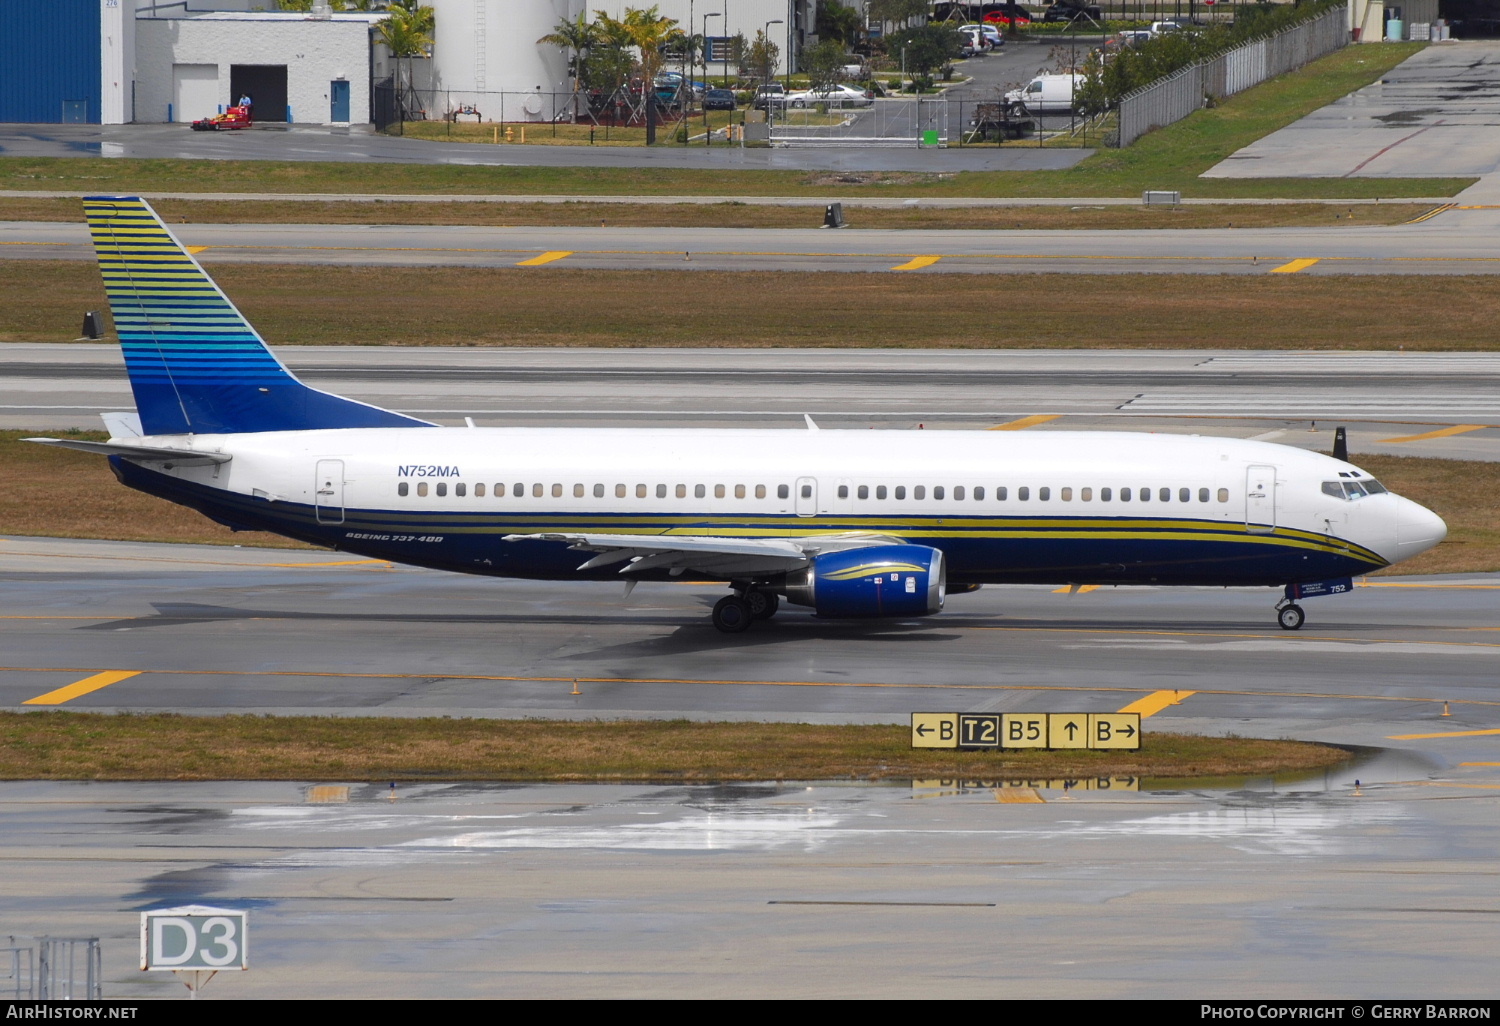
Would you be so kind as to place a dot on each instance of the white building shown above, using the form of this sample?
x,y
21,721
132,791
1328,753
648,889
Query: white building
x,y
295,67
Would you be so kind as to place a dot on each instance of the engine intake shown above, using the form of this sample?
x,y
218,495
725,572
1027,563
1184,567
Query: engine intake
x,y
885,581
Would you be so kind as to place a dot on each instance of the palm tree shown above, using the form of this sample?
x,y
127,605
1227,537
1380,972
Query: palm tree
x,y
407,32
577,36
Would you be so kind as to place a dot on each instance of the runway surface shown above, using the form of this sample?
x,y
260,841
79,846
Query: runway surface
x,y
1417,404
1452,242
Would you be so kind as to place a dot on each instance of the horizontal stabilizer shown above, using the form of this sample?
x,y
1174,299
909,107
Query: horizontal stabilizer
x,y
139,453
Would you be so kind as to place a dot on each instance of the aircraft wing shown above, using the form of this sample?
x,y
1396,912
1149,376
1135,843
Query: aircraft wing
x,y
704,554
139,453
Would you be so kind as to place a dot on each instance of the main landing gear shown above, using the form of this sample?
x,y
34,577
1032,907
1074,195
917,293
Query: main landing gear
x,y
734,613
1289,615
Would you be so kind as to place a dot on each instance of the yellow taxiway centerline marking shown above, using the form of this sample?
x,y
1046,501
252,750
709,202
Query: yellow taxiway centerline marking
x,y
1025,422
1479,764
1156,702
195,249
1434,212
1446,733
916,263
1447,432
82,687
1295,266
546,258
1075,589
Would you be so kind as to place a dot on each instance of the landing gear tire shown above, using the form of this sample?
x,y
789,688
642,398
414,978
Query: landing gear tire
x,y
732,614
1290,617
763,604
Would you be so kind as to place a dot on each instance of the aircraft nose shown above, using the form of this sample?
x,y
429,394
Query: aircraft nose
x,y
1417,529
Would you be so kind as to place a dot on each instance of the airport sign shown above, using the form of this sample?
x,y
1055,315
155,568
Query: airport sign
x,y
1010,731
194,937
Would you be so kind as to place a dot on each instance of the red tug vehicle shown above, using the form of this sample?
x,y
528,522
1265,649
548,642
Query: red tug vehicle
x,y
234,117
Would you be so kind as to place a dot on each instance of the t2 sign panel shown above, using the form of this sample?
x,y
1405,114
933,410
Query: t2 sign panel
x,y
194,937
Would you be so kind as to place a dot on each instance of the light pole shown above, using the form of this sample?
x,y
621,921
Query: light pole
x,y
770,103
790,17
707,136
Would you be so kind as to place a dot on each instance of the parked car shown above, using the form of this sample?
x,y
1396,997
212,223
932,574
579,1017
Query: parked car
x,y
673,80
1131,37
833,96
772,94
1067,10
1046,94
1009,14
718,99
1161,28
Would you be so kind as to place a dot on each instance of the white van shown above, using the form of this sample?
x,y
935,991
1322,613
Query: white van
x,y
1046,94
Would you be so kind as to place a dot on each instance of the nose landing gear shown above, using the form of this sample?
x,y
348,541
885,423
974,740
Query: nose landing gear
x,y
1290,615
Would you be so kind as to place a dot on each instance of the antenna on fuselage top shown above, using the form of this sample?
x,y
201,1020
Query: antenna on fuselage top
x,y
1340,445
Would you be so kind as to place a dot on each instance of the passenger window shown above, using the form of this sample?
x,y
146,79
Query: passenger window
x,y
807,491
760,491
782,491
661,491
460,489
500,489
937,492
640,491
536,491
402,488
739,491
1145,495
557,491
958,492
1223,494
843,491
682,491
1086,494
578,491
1001,493
919,492
442,488
1066,494
479,491
1125,495
1184,495
719,491
901,491
1165,495
619,491
1023,493
1334,489
699,491
979,493
880,491
1105,494
598,491
421,488
863,492
518,489
1043,494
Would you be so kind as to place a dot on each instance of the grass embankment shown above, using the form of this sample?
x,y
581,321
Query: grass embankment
x,y
735,214
60,493
1171,158
559,306
83,746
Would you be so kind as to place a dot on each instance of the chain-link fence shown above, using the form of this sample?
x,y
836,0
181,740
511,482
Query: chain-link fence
x,y
1175,97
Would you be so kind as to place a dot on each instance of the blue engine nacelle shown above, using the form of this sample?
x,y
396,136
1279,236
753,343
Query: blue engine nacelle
x,y
888,580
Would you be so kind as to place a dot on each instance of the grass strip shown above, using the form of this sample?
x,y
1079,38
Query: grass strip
x,y
59,493
578,213
91,746
561,306
1171,158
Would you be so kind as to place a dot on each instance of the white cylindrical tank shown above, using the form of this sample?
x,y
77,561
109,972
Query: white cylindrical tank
x,y
490,46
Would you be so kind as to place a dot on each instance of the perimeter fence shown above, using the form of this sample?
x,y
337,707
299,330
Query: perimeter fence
x,y
1175,97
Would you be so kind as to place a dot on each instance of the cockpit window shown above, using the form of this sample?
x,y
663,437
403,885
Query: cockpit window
x,y
1353,489
1333,488
1374,487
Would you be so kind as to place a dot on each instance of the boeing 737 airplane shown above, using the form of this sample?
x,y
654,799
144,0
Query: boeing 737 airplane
x,y
848,523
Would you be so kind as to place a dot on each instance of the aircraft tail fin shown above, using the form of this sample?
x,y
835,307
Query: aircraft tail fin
x,y
195,363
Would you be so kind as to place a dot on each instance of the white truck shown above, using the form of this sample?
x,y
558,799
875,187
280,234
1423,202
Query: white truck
x,y
1046,94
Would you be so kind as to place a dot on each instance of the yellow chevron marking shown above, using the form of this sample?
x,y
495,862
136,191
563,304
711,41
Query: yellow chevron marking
x,y
1156,702
1076,589
1294,266
1447,432
917,263
1026,422
546,258
1434,212
82,687
196,249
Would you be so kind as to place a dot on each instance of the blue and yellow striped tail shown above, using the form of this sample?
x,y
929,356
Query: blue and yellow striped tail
x,y
195,364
